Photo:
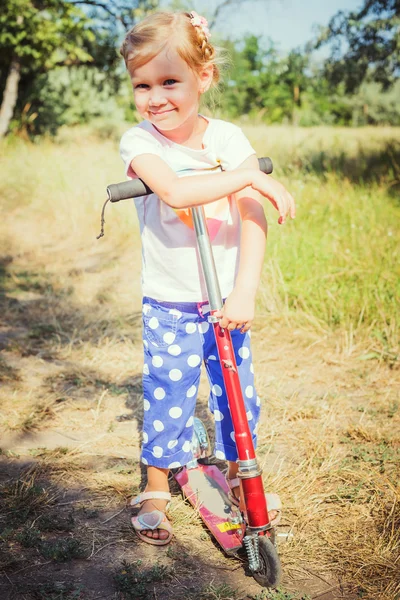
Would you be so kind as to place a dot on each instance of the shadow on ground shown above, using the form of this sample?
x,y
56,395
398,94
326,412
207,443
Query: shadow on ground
x,y
367,166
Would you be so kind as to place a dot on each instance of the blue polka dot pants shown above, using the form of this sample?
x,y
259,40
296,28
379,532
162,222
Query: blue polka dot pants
x,y
177,340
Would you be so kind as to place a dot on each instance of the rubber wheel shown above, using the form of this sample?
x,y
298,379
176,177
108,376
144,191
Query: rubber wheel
x,y
270,572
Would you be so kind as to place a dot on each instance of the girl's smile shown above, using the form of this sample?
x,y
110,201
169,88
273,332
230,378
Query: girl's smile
x,y
167,93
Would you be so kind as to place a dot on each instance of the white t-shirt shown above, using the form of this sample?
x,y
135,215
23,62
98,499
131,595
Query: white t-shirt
x,y
171,269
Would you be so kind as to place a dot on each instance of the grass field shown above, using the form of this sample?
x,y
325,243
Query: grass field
x,y
326,345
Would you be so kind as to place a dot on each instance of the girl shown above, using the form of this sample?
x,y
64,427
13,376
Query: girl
x,y
171,63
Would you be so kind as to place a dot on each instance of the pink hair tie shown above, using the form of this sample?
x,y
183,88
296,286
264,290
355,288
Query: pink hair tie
x,y
199,21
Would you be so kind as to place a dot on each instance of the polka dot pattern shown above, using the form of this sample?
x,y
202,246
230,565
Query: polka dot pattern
x,y
174,350
186,446
249,391
175,412
218,416
157,361
175,374
157,451
169,337
244,352
174,465
204,327
191,391
173,358
159,393
216,390
153,323
193,360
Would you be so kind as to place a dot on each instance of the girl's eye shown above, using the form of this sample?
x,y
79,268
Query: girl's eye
x,y
141,86
169,81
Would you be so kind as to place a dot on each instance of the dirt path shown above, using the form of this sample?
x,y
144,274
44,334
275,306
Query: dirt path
x,y
70,432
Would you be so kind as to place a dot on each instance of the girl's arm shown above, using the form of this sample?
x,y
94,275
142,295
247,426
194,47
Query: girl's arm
x,y
238,310
184,192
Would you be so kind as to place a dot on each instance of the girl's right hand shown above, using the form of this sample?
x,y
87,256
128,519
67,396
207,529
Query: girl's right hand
x,y
277,194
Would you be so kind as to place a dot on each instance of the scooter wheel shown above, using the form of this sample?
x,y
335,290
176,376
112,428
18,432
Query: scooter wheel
x,y
270,572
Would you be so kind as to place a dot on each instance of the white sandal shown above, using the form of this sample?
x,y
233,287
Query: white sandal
x,y
273,501
155,519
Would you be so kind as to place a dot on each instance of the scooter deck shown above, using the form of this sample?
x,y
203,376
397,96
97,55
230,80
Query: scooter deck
x,y
207,491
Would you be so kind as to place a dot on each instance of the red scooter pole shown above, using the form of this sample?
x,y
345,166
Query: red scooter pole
x,y
251,481
249,471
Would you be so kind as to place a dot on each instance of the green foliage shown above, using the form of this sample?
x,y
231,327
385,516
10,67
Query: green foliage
x,y
29,537
70,96
371,106
261,83
265,86
364,42
279,594
54,590
132,581
37,36
42,35
63,549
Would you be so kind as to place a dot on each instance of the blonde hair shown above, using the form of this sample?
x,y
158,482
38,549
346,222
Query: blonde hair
x,y
146,39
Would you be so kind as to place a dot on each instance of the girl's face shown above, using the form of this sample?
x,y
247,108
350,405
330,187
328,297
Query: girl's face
x,y
167,91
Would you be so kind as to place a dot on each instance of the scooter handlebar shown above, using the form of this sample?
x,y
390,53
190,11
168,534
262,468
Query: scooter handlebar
x,y
136,187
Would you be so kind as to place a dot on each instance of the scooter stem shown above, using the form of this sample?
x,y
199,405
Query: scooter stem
x,y
249,471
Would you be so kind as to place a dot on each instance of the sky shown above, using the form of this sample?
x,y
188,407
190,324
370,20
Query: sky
x,y
289,23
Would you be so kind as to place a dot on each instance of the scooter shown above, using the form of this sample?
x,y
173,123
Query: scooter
x,y
244,530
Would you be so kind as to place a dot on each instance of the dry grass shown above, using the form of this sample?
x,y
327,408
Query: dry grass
x,y
70,399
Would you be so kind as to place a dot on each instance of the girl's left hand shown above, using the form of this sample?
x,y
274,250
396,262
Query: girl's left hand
x,y
238,311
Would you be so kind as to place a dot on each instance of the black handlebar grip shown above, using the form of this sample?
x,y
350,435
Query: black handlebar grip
x,y
136,187
265,165
127,189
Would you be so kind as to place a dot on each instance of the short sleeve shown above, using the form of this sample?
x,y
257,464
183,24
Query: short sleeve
x,y
235,147
134,142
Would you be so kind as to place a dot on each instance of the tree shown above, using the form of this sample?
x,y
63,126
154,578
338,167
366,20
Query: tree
x,y
262,83
365,43
39,35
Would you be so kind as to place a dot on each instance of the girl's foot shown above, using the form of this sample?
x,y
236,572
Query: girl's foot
x,y
157,481
273,500
147,507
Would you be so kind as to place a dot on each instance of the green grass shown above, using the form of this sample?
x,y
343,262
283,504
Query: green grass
x,y
278,594
336,267
338,262
53,591
132,581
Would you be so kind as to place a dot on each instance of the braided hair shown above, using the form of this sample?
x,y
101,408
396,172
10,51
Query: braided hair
x,y
148,37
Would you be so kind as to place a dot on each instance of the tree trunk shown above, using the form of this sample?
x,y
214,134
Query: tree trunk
x,y
10,96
